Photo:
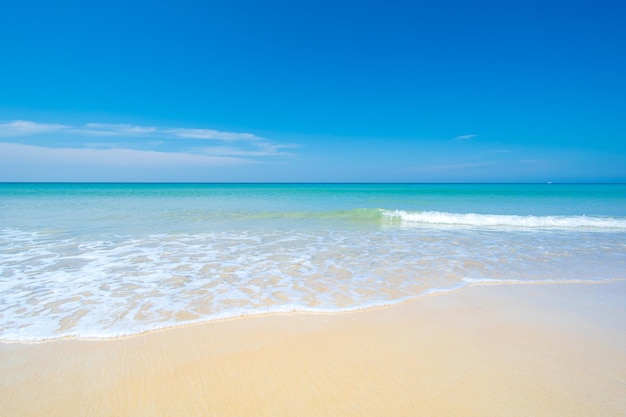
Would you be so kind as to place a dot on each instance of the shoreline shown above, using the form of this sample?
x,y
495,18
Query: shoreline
x,y
487,349
347,310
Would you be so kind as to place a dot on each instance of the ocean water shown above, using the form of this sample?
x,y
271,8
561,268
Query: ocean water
x,y
105,260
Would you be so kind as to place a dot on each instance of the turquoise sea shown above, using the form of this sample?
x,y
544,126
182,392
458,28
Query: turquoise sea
x,y
105,260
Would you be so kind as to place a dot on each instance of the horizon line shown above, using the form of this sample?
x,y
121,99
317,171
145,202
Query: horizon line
x,y
315,182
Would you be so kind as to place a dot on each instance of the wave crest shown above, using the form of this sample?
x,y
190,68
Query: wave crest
x,y
509,221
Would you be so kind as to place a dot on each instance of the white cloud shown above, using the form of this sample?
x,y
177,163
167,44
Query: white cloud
x,y
105,129
15,154
259,150
27,128
465,137
19,162
211,134
112,144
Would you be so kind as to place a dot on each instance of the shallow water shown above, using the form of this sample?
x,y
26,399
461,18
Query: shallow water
x,y
103,260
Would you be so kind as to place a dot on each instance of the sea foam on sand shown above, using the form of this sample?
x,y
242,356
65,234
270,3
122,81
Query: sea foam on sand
x,y
487,350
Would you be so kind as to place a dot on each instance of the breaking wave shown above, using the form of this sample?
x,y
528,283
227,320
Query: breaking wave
x,y
432,218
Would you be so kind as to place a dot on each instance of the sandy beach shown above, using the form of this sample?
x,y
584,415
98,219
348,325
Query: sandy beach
x,y
506,350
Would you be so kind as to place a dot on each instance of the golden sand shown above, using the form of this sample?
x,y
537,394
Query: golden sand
x,y
515,350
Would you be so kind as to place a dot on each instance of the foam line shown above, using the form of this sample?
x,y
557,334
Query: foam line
x,y
511,221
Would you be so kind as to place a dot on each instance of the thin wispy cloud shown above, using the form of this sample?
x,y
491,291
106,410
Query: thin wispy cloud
x,y
259,150
173,140
465,137
27,128
102,129
105,129
22,162
211,134
15,153
30,128
276,148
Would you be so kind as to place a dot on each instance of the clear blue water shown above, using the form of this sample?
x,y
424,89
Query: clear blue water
x,y
103,260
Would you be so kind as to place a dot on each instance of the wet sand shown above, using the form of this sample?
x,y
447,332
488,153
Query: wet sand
x,y
506,350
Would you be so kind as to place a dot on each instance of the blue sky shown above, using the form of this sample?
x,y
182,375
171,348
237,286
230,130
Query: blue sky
x,y
398,91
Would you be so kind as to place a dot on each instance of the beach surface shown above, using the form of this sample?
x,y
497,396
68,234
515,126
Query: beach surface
x,y
486,350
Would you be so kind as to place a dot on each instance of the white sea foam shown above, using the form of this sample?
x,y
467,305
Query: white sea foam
x,y
505,221
54,285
